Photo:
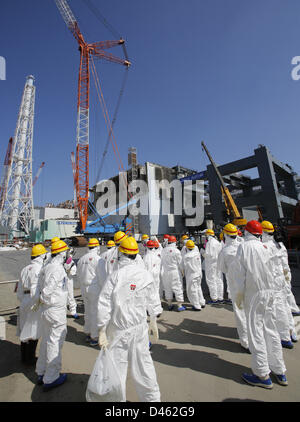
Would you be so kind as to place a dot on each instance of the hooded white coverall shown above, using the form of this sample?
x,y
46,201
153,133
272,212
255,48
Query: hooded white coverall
x,y
226,260
254,278
109,256
214,277
126,296
90,289
171,263
27,293
71,271
153,263
288,287
193,275
284,316
54,296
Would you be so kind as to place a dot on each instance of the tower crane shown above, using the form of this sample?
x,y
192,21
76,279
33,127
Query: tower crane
x,y
88,51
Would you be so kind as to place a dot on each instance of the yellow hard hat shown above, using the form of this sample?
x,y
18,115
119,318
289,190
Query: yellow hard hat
x,y
129,246
190,244
59,246
184,237
37,250
267,227
230,230
145,236
209,232
54,239
93,243
110,244
119,236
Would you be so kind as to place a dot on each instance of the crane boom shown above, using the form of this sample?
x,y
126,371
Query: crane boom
x,y
230,205
83,101
6,171
38,174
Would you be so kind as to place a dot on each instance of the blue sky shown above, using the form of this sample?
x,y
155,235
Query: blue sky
x,y
212,70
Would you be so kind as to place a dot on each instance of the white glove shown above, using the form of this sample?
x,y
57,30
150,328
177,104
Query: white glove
x,y
153,328
239,299
36,306
287,275
103,342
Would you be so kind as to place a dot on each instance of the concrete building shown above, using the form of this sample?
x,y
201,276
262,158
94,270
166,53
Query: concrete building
x,y
273,191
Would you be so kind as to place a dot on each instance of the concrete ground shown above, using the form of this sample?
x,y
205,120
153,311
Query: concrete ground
x,y
197,359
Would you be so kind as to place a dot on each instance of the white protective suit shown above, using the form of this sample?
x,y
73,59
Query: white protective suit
x,y
158,252
254,278
171,264
226,260
54,296
284,316
152,263
288,286
193,275
29,323
126,296
111,257
214,277
90,289
71,270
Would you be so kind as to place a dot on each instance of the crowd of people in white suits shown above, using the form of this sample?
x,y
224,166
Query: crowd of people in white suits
x,y
124,287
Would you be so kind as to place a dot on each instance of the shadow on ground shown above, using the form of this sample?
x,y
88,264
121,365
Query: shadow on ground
x,y
72,391
205,362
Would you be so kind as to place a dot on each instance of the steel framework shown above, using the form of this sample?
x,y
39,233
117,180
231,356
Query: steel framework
x,y
17,212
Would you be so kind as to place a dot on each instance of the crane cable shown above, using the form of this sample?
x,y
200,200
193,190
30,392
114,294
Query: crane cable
x,y
108,124
101,18
117,35
112,125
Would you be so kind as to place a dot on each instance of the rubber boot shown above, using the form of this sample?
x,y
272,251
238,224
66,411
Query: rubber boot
x,y
23,352
31,351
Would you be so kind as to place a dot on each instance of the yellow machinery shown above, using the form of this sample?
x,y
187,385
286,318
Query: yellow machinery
x,y
231,208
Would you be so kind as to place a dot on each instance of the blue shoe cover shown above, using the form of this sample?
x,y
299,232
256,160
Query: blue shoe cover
x,y
75,316
281,379
93,343
255,380
59,381
295,313
212,302
182,308
294,338
287,344
150,345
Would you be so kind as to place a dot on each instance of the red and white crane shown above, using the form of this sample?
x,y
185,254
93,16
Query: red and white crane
x,y
87,54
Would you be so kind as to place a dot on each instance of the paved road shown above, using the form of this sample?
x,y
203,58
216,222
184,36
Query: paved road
x,y
197,359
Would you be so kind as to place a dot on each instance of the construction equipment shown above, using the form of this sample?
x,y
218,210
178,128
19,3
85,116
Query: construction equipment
x,y
290,229
232,211
5,175
87,54
38,174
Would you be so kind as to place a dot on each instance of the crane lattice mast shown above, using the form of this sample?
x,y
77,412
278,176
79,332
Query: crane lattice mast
x,y
87,51
17,213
